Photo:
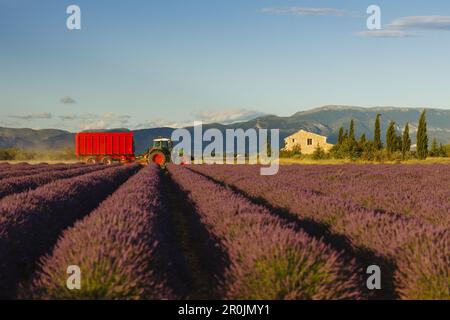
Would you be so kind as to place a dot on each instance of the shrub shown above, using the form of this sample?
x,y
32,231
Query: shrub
x,y
116,247
319,153
421,274
30,222
29,182
268,259
404,227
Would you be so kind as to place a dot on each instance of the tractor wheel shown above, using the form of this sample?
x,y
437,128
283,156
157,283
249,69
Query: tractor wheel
x,y
91,161
158,158
107,161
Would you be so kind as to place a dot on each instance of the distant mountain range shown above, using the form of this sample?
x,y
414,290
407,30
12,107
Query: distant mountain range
x,y
325,121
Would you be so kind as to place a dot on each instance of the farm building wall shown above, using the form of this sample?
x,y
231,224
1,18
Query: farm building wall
x,y
308,142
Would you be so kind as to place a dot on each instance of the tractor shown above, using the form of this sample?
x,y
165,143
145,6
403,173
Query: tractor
x,y
160,153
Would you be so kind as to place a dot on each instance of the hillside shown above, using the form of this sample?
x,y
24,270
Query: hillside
x,y
47,139
438,120
325,121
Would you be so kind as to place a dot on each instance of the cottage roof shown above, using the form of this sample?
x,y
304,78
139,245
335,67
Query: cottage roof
x,y
311,133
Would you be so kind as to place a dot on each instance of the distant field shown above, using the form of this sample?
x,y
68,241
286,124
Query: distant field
x,y
40,161
288,161
283,161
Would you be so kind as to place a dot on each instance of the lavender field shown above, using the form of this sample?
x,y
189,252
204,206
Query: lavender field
x,y
224,232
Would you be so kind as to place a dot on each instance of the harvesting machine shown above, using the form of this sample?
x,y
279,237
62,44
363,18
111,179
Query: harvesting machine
x,y
110,147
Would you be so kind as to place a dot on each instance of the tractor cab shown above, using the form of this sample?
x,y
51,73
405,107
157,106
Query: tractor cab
x,y
160,152
162,143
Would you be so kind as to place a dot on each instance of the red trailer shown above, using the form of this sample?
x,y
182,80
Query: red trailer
x,y
105,147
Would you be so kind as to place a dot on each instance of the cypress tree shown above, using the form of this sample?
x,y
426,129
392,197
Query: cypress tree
x,y
422,137
442,151
341,136
362,140
377,135
406,141
346,136
391,137
268,148
434,151
351,135
398,142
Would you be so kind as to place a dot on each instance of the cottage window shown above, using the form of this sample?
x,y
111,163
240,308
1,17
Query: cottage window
x,y
309,142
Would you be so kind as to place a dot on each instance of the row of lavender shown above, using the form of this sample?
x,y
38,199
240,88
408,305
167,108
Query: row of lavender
x,y
419,191
117,247
418,253
118,252
268,259
31,221
414,190
23,183
28,170
5,165
23,166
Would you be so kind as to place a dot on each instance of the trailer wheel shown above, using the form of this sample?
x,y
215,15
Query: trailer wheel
x,y
91,161
107,161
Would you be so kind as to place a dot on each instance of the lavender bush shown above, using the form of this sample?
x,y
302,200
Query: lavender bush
x,y
6,168
416,191
24,183
115,247
30,222
423,266
17,165
321,194
268,259
37,169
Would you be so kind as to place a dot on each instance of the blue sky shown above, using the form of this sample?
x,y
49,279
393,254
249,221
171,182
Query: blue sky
x,y
146,63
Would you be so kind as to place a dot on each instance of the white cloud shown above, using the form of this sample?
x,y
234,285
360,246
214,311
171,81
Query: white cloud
x,y
104,121
223,117
67,100
386,33
161,122
33,116
399,27
94,121
9,123
422,22
227,116
302,11
70,117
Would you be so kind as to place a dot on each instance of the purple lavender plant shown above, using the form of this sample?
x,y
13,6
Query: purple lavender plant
x,y
37,169
381,209
115,247
268,259
23,183
31,222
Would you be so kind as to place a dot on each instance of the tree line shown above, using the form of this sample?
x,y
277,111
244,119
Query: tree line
x,y
15,154
397,144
